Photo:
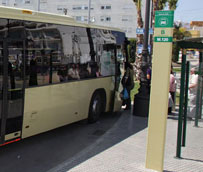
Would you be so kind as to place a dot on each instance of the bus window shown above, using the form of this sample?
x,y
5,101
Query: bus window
x,y
44,52
108,60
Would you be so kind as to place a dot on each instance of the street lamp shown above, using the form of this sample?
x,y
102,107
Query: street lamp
x,y
141,100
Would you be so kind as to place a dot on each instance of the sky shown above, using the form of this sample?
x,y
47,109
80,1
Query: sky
x,y
189,10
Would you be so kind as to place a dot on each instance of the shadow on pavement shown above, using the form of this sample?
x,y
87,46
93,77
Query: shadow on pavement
x,y
196,160
68,146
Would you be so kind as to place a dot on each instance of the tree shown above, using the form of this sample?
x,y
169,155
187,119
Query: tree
x,y
132,50
138,4
172,4
179,33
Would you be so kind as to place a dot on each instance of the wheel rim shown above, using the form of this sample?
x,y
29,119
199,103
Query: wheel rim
x,y
96,106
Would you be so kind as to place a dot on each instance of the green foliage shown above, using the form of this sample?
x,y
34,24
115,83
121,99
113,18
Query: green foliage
x,y
177,98
132,50
162,4
138,4
187,34
177,69
175,52
172,4
178,34
135,90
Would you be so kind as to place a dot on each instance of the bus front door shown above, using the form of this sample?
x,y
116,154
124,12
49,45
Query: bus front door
x,y
12,53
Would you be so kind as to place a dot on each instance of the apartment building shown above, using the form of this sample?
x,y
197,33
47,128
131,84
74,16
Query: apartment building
x,y
113,13
197,28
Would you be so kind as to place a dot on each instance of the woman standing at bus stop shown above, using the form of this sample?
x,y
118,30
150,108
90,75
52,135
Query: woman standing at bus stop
x,y
128,84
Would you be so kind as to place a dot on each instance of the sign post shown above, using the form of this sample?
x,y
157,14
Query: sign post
x,y
158,111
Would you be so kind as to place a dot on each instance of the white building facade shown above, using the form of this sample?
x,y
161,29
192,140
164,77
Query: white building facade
x,y
113,13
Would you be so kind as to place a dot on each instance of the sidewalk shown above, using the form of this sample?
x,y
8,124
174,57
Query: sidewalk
x,y
128,155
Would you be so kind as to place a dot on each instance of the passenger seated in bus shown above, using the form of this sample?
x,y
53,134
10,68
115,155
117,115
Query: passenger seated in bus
x,y
33,72
62,73
89,69
73,73
83,71
98,73
95,71
78,69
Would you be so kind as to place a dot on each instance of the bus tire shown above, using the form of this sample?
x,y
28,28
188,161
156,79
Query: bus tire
x,y
95,108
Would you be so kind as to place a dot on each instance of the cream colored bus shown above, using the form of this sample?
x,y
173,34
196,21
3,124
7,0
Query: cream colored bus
x,y
55,71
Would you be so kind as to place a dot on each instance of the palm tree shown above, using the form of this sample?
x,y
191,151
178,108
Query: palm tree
x,y
162,4
172,4
138,4
155,7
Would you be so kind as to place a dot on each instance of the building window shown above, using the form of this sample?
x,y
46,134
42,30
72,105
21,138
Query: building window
x,y
78,18
108,18
77,8
105,18
81,7
43,1
81,18
126,18
27,1
18,1
61,8
106,7
4,2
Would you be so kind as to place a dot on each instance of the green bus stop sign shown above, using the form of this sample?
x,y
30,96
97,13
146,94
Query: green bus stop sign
x,y
164,19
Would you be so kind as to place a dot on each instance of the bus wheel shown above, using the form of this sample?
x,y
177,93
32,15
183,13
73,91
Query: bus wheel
x,y
95,108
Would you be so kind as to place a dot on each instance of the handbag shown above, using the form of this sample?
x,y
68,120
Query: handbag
x,y
125,94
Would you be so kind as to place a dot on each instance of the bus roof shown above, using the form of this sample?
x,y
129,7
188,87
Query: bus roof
x,y
30,15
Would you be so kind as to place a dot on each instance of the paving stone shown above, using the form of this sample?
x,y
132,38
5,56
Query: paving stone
x,y
129,154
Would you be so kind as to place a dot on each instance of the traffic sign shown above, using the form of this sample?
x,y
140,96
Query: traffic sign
x,y
163,39
164,18
141,31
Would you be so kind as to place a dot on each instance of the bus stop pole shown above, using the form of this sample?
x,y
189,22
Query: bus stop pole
x,y
180,118
198,93
186,103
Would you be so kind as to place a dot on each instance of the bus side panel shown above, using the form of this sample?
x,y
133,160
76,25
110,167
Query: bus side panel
x,y
118,102
52,106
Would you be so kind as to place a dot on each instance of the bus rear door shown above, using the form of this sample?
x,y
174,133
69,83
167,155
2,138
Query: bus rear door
x,y
12,88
